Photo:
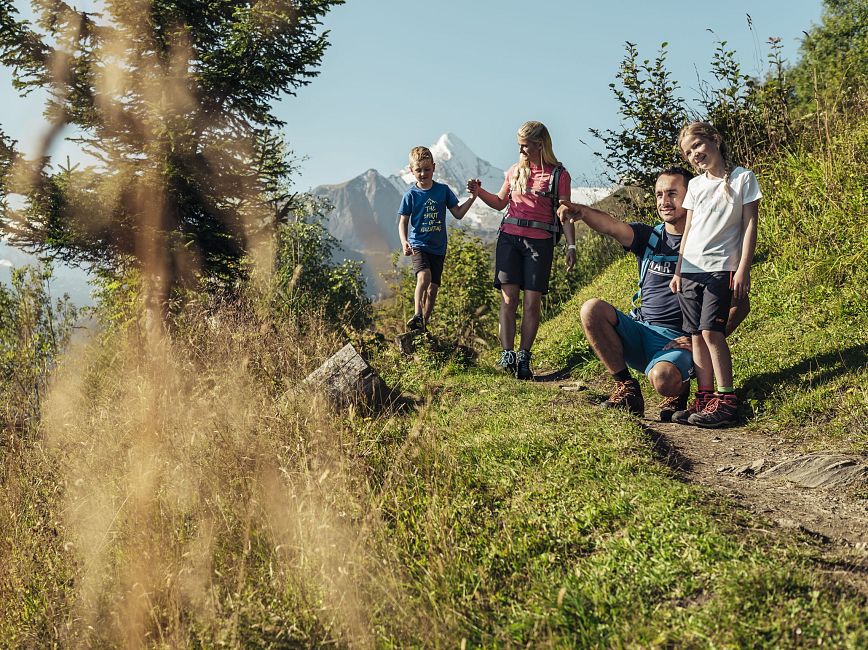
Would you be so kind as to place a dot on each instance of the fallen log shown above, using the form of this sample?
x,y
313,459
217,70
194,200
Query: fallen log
x,y
348,379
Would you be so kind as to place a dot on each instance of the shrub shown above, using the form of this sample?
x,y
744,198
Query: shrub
x,y
34,328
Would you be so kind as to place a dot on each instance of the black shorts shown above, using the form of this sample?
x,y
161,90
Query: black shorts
x,y
424,260
523,261
705,299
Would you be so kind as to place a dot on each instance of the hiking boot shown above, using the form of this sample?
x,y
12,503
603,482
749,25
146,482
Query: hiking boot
x,y
720,411
627,395
415,323
507,361
670,405
696,406
523,370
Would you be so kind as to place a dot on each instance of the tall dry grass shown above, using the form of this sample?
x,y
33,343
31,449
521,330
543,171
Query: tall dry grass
x,y
201,494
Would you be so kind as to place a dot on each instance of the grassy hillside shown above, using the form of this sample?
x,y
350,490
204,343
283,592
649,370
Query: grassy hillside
x,y
191,491
200,495
801,357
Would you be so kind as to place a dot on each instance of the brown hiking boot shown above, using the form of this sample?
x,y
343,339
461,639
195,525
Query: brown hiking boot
x,y
720,411
696,406
627,395
670,405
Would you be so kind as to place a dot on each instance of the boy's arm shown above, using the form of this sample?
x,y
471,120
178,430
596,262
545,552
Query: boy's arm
x,y
403,221
458,211
598,220
675,283
497,201
741,279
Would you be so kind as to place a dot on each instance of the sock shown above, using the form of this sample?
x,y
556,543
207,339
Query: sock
x,y
725,389
705,389
622,375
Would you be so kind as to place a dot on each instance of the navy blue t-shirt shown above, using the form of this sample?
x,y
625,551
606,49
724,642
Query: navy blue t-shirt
x,y
427,212
659,305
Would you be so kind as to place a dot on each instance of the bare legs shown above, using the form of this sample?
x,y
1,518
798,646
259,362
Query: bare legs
x,y
425,295
711,359
532,303
599,320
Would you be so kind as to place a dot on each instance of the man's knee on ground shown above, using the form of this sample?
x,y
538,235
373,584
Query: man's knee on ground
x,y
666,379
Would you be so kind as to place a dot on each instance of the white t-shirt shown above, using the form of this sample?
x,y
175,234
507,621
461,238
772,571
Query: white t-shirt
x,y
716,229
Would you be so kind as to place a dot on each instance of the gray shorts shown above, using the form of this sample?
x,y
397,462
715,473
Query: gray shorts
x,y
705,299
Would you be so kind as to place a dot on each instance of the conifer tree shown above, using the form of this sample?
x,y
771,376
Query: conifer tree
x,y
173,100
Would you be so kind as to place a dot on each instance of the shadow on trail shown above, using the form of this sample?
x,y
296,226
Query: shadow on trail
x,y
573,362
818,369
665,452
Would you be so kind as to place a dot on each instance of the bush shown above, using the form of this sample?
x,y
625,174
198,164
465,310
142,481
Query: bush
x,y
307,280
34,329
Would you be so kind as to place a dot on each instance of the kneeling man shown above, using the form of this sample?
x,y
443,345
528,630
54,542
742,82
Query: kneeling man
x,y
649,339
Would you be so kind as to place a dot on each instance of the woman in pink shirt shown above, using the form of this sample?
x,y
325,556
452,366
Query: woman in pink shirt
x,y
530,193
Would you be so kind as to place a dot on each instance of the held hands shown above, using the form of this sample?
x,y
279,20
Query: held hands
x,y
473,185
569,211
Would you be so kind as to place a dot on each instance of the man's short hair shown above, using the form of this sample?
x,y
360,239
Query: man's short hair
x,y
676,171
418,154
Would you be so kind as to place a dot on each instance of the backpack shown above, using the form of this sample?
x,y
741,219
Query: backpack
x,y
649,255
555,227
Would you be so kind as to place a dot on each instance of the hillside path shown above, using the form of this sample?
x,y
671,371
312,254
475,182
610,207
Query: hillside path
x,y
733,461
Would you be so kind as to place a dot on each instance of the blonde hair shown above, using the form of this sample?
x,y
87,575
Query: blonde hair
x,y
418,154
538,133
707,131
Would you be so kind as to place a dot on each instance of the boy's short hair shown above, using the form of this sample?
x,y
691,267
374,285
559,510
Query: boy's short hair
x,y
418,154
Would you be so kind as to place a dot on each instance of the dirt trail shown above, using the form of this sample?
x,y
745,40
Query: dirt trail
x,y
732,462
736,463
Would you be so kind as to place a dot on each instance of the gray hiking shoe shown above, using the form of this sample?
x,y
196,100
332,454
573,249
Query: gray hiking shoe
x,y
507,361
627,395
720,411
696,406
523,370
415,323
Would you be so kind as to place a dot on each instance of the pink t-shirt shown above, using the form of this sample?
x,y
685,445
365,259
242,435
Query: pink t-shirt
x,y
532,206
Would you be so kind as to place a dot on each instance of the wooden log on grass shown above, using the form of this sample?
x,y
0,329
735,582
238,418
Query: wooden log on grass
x,y
348,379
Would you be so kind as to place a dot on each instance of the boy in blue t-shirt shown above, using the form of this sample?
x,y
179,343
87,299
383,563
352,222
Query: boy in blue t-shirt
x,y
423,209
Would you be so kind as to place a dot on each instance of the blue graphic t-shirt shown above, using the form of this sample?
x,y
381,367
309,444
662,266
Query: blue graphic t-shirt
x,y
659,304
427,212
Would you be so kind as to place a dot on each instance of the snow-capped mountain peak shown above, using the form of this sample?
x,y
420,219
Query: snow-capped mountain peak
x,y
455,163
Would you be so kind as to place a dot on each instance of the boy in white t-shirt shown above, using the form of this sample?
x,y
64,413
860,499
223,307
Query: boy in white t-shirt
x,y
716,253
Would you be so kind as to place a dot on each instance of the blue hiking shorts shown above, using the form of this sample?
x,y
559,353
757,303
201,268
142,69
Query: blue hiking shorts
x,y
643,346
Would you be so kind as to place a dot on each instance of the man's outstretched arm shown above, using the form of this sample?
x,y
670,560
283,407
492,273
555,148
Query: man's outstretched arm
x,y
602,222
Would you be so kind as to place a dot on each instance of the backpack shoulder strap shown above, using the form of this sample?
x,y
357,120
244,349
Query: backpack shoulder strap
x,y
647,254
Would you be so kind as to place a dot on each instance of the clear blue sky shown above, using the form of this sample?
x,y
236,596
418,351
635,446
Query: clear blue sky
x,y
401,72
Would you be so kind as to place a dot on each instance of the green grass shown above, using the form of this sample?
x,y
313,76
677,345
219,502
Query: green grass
x,y
200,496
527,517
